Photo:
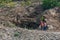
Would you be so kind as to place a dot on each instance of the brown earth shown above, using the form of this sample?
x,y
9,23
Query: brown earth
x,y
32,13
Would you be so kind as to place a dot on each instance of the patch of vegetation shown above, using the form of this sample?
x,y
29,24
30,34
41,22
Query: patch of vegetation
x,y
47,4
8,3
26,2
58,4
5,1
16,34
11,4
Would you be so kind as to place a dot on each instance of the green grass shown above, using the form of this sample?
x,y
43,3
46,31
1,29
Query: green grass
x,y
47,4
16,34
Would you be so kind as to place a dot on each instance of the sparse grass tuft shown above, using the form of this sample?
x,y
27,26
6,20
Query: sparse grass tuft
x,y
16,34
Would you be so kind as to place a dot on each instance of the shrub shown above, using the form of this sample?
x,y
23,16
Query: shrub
x,y
11,4
58,4
4,2
47,4
26,3
16,34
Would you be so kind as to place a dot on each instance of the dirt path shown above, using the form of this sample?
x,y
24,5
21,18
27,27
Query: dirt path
x,y
7,33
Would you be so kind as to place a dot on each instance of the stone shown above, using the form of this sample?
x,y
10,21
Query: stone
x,y
50,27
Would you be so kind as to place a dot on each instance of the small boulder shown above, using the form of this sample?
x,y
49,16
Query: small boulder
x,y
50,27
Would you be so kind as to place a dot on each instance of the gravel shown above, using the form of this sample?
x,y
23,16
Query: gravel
x,y
7,33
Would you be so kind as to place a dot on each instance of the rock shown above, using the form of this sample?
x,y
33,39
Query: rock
x,y
50,27
30,9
